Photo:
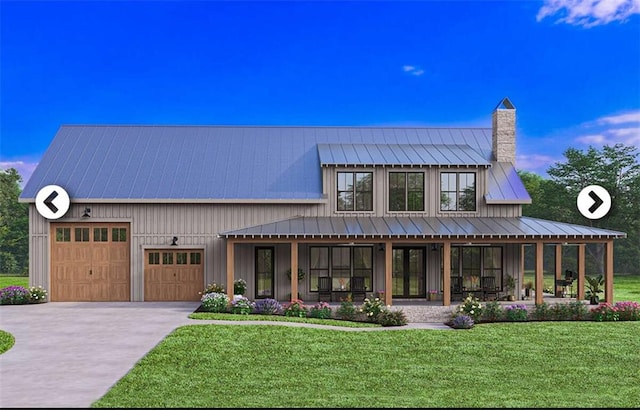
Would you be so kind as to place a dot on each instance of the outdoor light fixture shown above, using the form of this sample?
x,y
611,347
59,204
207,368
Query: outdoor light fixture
x,y
434,247
381,247
87,213
174,241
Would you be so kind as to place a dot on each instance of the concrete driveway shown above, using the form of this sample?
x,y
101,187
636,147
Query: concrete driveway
x,y
69,354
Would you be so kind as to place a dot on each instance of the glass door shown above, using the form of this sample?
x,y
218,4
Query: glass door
x,y
408,272
264,272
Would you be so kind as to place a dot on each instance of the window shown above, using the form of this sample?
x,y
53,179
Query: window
x,y
341,263
195,258
406,191
458,191
100,235
167,258
474,262
355,191
63,234
181,258
119,234
82,235
154,258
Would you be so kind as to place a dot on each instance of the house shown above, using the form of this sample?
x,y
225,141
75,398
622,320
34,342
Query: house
x,y
158,212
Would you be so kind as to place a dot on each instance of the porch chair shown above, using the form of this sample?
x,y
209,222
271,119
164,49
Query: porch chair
x,y
324,289
358,290
489,288
456,288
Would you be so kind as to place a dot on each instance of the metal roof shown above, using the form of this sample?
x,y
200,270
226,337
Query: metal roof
x,y
424,228
191,163
400,154
505,185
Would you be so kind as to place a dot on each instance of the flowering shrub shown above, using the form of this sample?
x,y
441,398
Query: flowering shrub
x,y
320,310
542,312
471,306
211,288
576,310
372,308
347,310
392,318
215,302
515,313
295,308
268,307
462,321
14,295
628,310
605,312
239,286
492,311
242,306
37,294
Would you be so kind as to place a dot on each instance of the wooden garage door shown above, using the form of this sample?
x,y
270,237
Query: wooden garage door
x,y
173,275
90,262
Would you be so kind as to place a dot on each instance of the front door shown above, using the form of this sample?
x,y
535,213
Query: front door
x,y
264,272
409,272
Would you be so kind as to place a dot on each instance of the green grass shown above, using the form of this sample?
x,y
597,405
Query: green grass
x,y
534,364
6,280
6,341
275,318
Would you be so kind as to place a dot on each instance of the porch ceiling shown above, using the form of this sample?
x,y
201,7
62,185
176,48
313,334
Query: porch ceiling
x,y
359,227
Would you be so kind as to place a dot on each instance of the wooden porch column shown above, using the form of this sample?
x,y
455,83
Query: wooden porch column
x,y
294,270
446,272
230,267
581,253
388,270
559,274
539,272
521,274
608,271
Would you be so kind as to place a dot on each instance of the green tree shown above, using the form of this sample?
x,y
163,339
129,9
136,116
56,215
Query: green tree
x,y
14,225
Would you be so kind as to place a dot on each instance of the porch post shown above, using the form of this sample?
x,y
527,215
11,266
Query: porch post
x,y
521,274
539,272
294,270
559,274
230,267
446,273
388,268
608,271
581,253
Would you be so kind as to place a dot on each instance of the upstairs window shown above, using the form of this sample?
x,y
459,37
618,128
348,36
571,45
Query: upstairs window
x,y
458,191
406,191
355,191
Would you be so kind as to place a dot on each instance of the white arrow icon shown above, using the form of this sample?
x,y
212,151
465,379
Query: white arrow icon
x,y
52,202
594,202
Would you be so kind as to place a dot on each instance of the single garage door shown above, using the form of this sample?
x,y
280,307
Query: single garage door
x,y
90,262
173,275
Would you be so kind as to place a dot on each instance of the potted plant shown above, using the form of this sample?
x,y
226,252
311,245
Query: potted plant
x,y
510,283
527,289
239,287
594,287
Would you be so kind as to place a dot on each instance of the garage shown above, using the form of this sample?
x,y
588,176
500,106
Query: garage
x,y
90,262
173,275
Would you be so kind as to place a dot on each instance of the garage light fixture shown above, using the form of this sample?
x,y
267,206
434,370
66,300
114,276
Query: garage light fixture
x,y
87,213
174,241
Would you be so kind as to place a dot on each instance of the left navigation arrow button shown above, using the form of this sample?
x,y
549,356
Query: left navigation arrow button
x,y
48,202
52,202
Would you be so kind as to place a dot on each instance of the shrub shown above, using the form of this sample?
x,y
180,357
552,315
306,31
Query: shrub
x,y
347,310
605,312
560,311
268,307
215,302
577,310
239,286
462,321
295,308
372,308
471,306
242,306
320,310
14,295
628,310
392,318
516,313
212,288
37,294
492,311
542,311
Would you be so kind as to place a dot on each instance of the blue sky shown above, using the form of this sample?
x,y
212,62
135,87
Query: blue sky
x,y
571,68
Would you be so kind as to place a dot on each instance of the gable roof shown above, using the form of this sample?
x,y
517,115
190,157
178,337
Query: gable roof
x,y
204,163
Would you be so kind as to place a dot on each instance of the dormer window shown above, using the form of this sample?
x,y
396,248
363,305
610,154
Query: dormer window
x,y
355,191
457,191
406,191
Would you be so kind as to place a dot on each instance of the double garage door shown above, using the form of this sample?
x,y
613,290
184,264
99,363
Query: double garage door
x,y
92,262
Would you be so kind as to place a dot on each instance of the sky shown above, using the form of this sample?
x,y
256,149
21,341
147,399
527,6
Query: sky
x,y
570,67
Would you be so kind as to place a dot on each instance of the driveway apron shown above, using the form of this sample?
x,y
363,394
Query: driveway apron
x,y
69,354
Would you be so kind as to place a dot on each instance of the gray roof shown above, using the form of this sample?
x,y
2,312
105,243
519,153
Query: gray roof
x,y
505,185
423,228
400,154
173,163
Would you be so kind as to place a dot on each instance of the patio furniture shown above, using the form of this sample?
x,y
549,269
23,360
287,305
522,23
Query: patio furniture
x,y
567,282
358,290
324,289
489,288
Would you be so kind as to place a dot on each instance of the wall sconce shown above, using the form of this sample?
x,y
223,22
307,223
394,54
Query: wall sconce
x,y
434,247
87,213
174,241
381,247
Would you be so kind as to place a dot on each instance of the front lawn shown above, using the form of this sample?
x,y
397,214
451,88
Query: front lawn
x,y
6,341
533,364
277,318
8,280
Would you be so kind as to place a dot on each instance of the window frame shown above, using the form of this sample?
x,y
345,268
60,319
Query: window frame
x,y
359,197
459,195
406,191
354,268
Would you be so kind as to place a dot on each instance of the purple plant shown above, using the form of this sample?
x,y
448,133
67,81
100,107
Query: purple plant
x,y
268,307
14,295
516,313
462,322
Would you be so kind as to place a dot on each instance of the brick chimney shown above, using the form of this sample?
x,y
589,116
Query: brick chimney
x,y
504,132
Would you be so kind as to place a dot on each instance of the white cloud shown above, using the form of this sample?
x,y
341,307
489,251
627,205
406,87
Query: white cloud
x,y
620,118
589,13
535,162
592,139
407,68
413,70
613,129
25,169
